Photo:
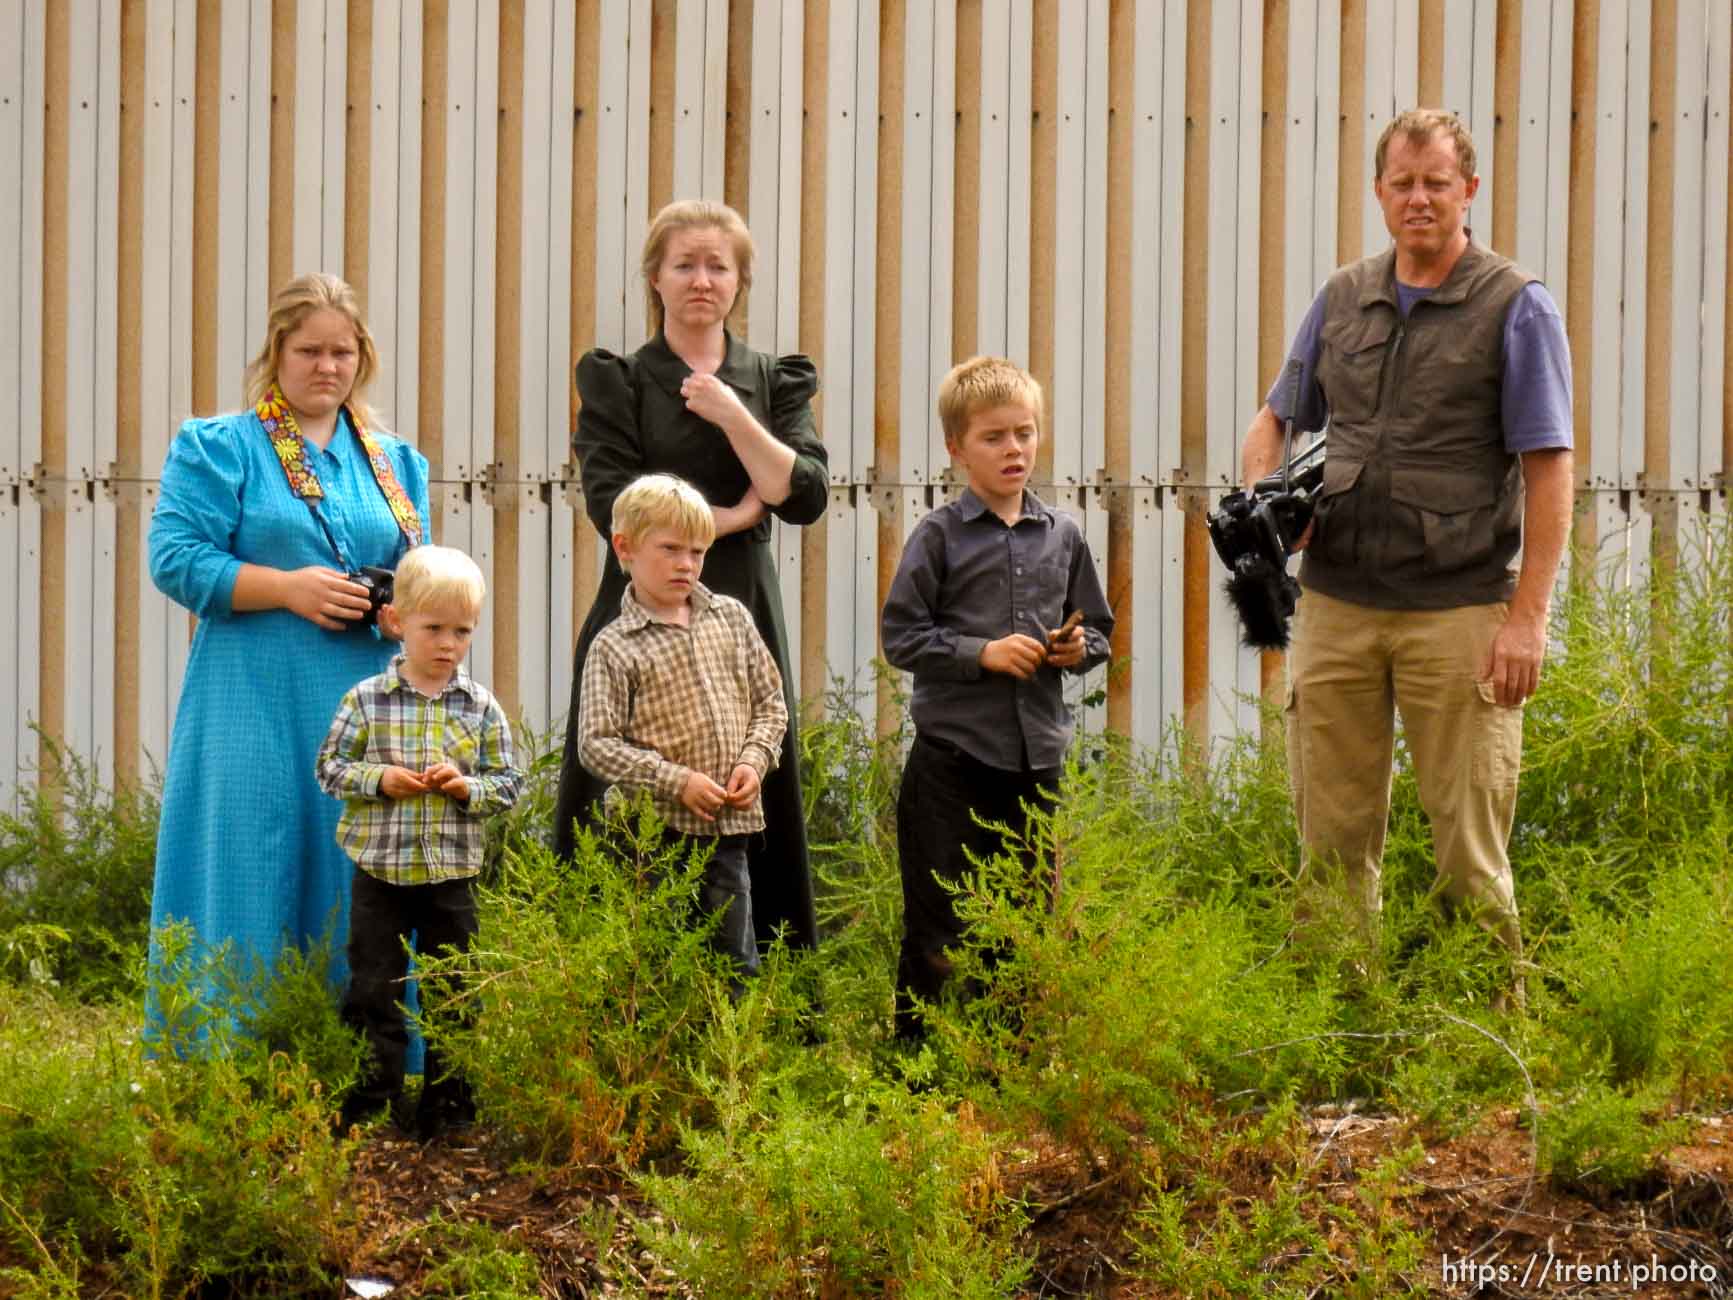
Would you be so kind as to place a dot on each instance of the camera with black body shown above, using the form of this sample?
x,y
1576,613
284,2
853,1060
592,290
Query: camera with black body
x,y
1254,533
379,583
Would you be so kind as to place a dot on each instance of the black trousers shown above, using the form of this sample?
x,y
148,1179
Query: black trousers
x,y
381,918
727,888
942,792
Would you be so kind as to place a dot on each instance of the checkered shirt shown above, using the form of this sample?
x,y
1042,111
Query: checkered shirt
x,y
660,700
385,722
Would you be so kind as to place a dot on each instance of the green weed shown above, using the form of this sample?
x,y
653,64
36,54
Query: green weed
x,y
76,860
171,1172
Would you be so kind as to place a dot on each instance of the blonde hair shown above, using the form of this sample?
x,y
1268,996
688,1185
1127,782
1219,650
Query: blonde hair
x,y
296,301
434,577
663,501
692,214
1419,125
981,383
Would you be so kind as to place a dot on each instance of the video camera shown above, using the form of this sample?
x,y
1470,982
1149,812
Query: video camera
x,y
1254,532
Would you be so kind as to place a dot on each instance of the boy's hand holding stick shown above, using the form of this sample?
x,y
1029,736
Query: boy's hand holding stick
x,y
1065,642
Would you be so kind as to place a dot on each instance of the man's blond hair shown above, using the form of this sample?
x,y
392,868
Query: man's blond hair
x,y
437,577
981,383
1419,125
663,501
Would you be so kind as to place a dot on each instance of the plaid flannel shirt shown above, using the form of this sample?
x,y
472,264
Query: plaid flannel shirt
x,y
660,700
385,722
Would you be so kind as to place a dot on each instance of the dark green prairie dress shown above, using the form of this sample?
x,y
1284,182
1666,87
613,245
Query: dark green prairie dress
x,y
634,421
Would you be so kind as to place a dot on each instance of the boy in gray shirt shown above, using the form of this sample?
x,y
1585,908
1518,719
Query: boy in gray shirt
x,y
996,596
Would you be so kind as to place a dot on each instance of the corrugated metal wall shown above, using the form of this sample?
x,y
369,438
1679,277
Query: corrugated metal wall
x,y
1136,197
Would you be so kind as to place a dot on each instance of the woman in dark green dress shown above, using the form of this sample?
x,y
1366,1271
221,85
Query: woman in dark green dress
x,y
697,402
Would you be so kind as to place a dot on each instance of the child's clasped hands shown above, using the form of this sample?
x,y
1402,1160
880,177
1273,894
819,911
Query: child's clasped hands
x,y
442,778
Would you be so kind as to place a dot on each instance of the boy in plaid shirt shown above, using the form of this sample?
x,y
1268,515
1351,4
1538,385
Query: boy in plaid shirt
x,y
419,754
681,696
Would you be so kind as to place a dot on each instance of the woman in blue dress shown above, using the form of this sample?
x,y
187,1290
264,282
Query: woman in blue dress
x,y
263,517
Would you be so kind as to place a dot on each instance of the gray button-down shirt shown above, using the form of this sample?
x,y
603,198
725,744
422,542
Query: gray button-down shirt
x,y
967,578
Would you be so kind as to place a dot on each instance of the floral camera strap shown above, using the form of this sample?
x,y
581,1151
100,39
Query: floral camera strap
x,y
290,445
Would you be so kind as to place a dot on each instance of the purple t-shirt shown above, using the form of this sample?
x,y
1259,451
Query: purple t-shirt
x,y
1535,405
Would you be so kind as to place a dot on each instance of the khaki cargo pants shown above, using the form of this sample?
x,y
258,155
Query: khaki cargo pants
x,y
1352,668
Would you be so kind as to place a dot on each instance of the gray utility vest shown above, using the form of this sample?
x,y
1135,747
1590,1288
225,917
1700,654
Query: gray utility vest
x,y
1421,506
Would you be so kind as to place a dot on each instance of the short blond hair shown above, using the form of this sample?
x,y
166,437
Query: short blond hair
x,y
1419,125
981,383
437,577
663,501
693,214
296,301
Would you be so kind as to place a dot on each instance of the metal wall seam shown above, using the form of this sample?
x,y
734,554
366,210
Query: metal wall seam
x,y
1090,433
1378,75
992,198
82,664
552,407
384,304
615,252
764,209
318,32
518,608
1605,362
165,336
238,333
480,191
1144,268
1305,185
1073,229
1689,288
836,394
1170,241
1635,177
1712,432
21,249
693,98
104,377
404,236
1537,241
451,497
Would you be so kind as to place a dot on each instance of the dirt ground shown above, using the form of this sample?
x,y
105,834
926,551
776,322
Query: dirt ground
x,y
1495,1229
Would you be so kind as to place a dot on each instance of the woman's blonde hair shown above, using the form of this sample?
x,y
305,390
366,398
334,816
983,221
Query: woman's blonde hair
x,y
296,301
433,577
663,501
692,214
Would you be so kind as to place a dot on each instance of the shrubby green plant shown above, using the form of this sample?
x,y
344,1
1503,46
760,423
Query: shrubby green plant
x,y
476,1261
76,860
1286,1245
1139,991
865,1190
850,778
172,1171
586,994
1605,1139
1628,747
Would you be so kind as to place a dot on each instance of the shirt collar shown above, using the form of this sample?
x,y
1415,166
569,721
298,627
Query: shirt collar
x,y
396,681
970,507
634,616
1382,286
670,371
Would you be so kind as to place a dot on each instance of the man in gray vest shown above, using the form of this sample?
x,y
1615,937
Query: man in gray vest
x,y
1444,375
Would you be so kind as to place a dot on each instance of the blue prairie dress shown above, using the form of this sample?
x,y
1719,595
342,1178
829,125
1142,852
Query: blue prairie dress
x,y
247,849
